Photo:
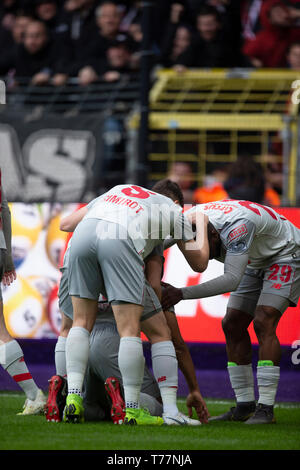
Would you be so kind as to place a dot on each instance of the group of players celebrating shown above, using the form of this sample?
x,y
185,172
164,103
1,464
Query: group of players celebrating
x,y
111,289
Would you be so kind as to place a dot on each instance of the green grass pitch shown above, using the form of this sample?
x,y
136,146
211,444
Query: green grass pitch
x,y
34,433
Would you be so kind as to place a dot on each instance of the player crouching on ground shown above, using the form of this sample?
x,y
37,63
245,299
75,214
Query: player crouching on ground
x,y
116,254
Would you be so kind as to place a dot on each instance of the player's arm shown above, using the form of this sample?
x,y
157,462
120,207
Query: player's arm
x,y
153,272
234,268
70,222
9,268
196,248
186,365
235,263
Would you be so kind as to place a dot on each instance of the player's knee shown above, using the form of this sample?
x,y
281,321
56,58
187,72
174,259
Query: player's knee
x,y
265,321
230,323
160,334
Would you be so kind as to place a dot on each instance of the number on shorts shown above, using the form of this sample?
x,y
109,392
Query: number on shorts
x,y
285,273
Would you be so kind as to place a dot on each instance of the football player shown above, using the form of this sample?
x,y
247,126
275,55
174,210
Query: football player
x,y
261,254
106,256
103,360
11,354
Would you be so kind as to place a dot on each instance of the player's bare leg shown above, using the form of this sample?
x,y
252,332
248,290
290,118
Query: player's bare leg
x,y
239,353
238,344
268,371
12,360
77,351
265,325
132,362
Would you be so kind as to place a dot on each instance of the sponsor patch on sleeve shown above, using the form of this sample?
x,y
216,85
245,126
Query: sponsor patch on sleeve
x,y
237,232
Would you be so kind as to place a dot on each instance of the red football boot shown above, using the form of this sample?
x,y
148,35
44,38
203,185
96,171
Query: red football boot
x,y
112,387
56,401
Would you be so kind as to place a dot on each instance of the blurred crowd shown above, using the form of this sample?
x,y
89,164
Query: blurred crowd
x,y
48,41
246,178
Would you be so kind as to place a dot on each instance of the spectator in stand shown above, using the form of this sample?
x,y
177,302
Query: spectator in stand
x,y
177,38
247,180
9,39
117,62
213,187
250,18
280,29
81,32
8,11
36,58
182,174
108,19
210,47
293,56
54,18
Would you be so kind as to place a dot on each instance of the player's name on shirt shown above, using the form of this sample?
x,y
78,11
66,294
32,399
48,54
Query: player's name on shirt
x,y
123,201
155,221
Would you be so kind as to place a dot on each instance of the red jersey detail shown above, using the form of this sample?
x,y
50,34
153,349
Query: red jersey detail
x,y
235,233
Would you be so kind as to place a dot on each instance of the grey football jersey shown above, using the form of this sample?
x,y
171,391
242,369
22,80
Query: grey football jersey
x,y
148,217
247,227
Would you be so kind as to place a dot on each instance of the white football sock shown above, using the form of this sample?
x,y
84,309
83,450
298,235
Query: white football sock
x,y
60,356
131,364
165,370
242,382
267,382
77,353
12,360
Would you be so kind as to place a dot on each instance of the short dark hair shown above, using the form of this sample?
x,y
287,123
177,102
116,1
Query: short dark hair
x,y
208,10
170,189
210,230
293,44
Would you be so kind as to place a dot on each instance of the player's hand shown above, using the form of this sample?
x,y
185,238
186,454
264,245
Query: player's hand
x,y
170,296
41,78
9,277
195,400
199,217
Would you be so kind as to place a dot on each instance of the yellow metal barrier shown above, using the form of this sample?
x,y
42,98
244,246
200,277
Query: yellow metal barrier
x,y
209,116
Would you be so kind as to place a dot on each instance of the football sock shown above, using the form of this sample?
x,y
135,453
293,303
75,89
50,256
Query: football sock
x,y
151,404
131,364
12,360
165,370
60,356
77,353
242,381
267,382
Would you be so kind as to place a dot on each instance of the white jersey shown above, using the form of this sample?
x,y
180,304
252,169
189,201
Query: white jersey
x,y
148,217
245,226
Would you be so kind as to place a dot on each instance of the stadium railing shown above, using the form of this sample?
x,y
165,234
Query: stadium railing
x,y
111,102
206,117
100,96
